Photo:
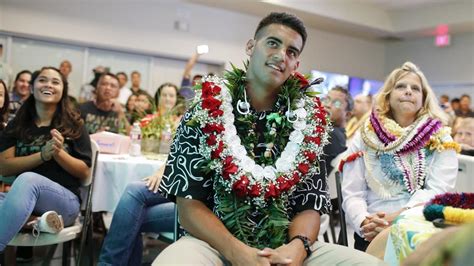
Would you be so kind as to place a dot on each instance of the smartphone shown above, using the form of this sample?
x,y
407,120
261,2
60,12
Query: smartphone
x,y
202,49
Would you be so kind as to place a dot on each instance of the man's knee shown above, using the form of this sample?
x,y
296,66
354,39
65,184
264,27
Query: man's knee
x,y
197,252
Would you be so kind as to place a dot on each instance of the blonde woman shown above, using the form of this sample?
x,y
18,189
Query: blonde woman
x,y
401,157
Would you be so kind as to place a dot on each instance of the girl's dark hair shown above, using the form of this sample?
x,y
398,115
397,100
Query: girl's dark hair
x,y
128,100
4,108
150,100
66,120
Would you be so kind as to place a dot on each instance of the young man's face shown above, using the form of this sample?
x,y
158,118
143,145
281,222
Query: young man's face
x,y
122,80
274,55
65,68
22,85
465,103
136,79
107,88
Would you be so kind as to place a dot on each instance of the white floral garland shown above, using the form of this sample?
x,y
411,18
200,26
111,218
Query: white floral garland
x,y
372,140
414,172
291,158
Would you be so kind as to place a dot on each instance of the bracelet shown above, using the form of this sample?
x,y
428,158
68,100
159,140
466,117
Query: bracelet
x,y
306,243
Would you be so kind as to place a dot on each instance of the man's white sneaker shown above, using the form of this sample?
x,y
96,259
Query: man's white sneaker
x,y
49,222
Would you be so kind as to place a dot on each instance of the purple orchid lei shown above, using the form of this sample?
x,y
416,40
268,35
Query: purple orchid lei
x,y
383,134
424,132
413,177
422,136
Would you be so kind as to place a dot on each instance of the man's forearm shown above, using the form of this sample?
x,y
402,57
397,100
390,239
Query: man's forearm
x,y
305,223
203,224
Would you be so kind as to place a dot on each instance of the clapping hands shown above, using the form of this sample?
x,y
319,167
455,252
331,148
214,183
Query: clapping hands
x,y
52,146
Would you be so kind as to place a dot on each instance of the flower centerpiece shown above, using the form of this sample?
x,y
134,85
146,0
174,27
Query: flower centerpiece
x,y
243,183
152,125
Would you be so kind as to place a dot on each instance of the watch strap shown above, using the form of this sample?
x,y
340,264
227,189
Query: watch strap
x,y
306,243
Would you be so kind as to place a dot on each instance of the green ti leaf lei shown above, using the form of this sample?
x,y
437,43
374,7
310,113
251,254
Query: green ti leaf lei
x,y
267,227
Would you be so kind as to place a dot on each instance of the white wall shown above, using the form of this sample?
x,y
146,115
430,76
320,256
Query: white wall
x,y
449,70
147,27
336,53
445,65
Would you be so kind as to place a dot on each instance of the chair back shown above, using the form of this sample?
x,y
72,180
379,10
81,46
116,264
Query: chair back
x,y
342,216
86,233
465,177
171,237
95,153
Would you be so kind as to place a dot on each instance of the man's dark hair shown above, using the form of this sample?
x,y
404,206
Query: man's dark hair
x,y
108,74
122,73
349,99
135,72
285,19
17,77
465,96
455,100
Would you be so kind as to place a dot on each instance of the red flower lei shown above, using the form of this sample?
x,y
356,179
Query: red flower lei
x,y
214,116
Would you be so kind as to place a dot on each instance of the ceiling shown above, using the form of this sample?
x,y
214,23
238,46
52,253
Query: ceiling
x,y
370,19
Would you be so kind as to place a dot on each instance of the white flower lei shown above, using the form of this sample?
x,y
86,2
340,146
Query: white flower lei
x,y
292,156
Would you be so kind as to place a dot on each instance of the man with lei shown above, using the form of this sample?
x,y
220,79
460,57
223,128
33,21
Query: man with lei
x,y
244,166
400,158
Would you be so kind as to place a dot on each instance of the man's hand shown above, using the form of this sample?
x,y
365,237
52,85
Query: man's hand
x,y
250,256
292,253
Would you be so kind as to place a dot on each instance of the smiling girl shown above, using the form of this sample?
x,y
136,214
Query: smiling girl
x,y
47,147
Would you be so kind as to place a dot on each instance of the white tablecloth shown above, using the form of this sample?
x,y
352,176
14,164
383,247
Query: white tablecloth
x,y
114,172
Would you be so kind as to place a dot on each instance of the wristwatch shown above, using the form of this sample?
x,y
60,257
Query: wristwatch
x,y
306,243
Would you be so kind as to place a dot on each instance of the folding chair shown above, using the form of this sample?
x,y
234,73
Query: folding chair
x,y
68,234
323,228
171,237
342,240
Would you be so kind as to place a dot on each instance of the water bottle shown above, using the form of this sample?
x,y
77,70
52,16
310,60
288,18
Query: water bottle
x,y
135,140
166,138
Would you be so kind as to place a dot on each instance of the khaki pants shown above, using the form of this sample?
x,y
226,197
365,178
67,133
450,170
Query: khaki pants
x,y
192,251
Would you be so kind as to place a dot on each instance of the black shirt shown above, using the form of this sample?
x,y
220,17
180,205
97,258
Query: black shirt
x,y
460,113
79,148
337,145
95,119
